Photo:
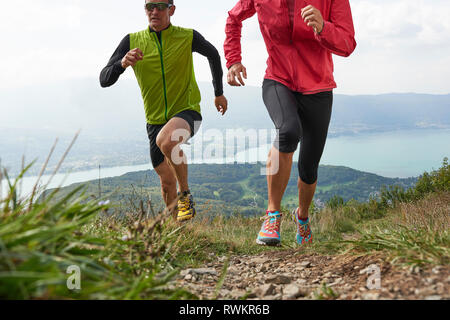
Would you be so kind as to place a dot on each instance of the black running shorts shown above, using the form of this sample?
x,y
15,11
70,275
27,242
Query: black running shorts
x,y
191,118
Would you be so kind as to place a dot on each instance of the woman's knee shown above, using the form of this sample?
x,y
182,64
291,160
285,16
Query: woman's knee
x,y
288,139
308,174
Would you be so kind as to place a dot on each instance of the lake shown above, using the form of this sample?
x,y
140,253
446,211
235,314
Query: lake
x,y
400,154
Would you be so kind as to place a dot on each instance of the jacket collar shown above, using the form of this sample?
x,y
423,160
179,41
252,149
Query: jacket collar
x,y
168,28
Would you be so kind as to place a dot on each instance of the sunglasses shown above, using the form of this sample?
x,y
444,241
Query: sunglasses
x,y
150,6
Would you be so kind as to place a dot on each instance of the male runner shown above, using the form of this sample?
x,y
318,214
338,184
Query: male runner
x,y
300,36
161,56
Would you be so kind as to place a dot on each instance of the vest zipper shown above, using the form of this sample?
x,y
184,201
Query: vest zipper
x,y
159,45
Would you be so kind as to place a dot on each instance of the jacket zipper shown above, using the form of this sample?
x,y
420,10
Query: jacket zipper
x,y
159,45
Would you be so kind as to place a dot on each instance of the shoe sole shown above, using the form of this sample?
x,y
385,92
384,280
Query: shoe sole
x,y
274,243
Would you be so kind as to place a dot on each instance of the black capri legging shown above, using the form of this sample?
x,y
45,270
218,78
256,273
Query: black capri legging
x,y
299,118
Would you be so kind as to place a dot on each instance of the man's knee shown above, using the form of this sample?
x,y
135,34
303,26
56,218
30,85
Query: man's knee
x,y
165,144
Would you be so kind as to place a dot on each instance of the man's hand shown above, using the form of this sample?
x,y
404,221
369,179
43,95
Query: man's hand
x,y
221,104
235,71
132,57
313,18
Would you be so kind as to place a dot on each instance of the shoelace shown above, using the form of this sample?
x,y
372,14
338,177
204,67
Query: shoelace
x,y
270,225
304,232
184,203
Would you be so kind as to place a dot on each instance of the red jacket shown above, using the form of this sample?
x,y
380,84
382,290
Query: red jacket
x,y
298,57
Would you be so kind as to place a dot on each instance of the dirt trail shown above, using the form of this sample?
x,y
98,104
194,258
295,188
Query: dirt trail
x,y
290,275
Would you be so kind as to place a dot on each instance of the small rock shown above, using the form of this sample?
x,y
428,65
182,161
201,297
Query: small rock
x,y
188,277
370,296
315,281
436,269
224,292
337,281
292,291
279,279
305,264
237,293
273,297
440,288
204,271
433,297
259,260
185,272
265,290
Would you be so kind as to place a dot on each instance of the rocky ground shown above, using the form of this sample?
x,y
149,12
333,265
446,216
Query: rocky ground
x,y
291,275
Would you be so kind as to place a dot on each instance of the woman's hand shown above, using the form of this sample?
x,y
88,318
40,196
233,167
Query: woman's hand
x,y
235,72
313,18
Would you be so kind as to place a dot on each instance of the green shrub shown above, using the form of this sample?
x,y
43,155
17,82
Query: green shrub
x,y
436,181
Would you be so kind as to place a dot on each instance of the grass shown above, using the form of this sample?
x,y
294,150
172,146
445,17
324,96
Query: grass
x,y
131,257
137,255
408,230
417,233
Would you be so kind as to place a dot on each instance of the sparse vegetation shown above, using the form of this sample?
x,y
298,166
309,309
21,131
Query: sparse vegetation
x,y
126,258
136,255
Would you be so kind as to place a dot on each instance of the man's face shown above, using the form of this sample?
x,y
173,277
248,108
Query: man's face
x,y
159,20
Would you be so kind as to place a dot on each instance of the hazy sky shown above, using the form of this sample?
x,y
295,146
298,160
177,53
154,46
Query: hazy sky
x,y
403,45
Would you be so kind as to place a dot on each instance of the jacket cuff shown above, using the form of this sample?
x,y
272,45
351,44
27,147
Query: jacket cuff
x,y
118,66
230,64
325,30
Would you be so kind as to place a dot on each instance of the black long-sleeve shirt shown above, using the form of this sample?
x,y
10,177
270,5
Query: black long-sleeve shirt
x,y
111,73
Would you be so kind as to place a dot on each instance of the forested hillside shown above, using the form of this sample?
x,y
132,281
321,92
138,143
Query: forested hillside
x,y
231,188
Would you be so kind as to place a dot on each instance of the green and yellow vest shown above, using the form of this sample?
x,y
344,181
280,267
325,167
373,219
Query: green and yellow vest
x,y
166,74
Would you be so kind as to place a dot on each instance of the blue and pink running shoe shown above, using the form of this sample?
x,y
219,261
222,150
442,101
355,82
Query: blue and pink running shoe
x,y
304,234
270,230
